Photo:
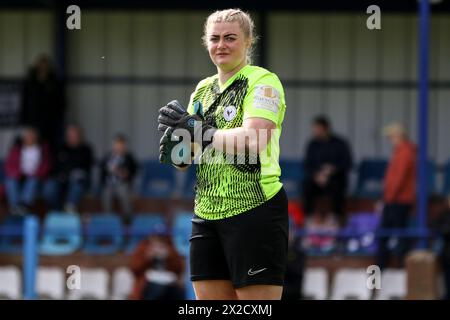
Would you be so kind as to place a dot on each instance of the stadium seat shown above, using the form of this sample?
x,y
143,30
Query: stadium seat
x,y
11,240
122,283
370,178
50,283
142,225
350,284
359,233
315,284
94,284
61,234
321,234
10,282
291,176
158,180
182,232
104,234
393,284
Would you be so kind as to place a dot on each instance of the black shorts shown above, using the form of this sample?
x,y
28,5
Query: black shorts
x,y
248,249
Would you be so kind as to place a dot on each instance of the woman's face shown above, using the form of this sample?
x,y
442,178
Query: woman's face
x,y
227,45
29,137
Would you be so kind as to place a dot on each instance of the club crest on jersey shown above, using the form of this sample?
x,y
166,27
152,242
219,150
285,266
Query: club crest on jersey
x,y
229,113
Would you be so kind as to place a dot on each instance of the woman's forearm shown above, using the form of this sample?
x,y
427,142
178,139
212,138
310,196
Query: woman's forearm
x,y
241,140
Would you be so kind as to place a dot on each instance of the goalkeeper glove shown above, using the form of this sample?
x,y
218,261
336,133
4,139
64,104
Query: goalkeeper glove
x,y
175,116
172,151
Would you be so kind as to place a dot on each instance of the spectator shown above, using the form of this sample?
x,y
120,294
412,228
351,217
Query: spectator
x,y
27,164
399,190
158,270
328,161
73,172
118,169
43,102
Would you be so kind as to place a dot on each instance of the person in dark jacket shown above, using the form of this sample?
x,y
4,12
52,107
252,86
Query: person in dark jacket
x,y
72,176
328,161
26,166
118,169
43,105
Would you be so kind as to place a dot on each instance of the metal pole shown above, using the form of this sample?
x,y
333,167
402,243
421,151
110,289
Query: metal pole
x,y
424,25
30,256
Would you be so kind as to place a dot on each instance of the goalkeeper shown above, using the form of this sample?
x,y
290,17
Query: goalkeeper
x,y
240,226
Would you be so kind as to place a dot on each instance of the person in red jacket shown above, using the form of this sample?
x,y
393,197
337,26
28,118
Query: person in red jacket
x,y
27,165
158,269
399,190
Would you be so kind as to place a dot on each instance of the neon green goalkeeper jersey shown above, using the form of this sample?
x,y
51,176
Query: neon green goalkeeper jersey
x,y
229,184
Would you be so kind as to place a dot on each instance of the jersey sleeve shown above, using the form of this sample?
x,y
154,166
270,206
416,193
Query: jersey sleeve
x,y
265,99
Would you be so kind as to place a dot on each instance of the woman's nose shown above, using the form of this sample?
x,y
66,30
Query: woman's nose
x,y
221,43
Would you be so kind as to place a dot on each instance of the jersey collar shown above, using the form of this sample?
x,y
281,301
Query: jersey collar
x,y
231,79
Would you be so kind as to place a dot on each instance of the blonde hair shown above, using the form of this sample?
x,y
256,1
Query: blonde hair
x,y
233,15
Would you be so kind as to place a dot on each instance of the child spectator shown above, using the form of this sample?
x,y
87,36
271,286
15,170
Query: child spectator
x,y
118,169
